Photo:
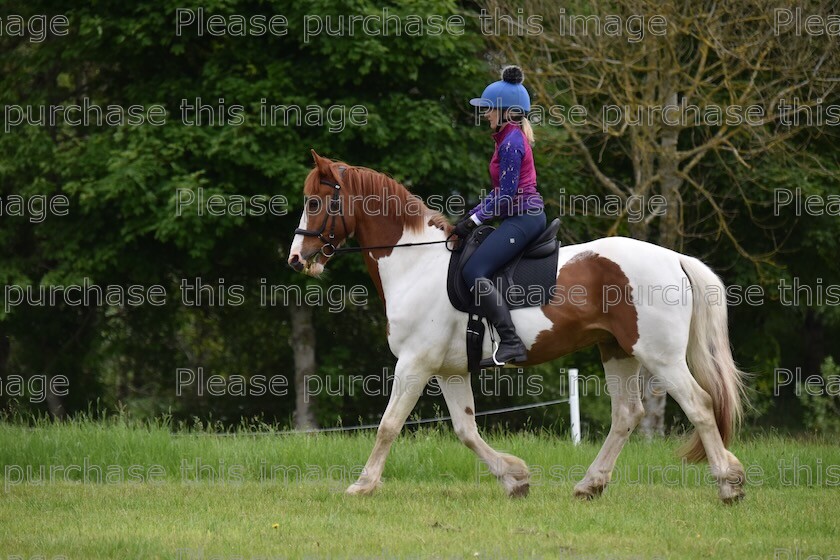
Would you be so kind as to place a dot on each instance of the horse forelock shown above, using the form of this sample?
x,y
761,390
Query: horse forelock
x,y
310,184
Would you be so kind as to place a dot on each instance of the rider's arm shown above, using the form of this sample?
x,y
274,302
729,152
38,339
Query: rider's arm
x,y
498,202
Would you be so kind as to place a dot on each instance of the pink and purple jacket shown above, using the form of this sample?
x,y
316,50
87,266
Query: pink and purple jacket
x,y
513,176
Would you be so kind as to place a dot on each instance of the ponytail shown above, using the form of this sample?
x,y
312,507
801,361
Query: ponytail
x,y
522,120
528,130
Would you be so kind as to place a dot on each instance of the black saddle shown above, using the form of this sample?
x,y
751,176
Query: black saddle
x,y
527,280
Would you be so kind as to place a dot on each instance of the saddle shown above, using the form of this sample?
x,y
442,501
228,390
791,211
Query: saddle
x,y
527,280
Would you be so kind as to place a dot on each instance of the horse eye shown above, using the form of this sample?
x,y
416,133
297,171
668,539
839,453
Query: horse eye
x,y
313,205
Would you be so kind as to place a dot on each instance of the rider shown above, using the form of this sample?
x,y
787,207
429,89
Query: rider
x,y
514,199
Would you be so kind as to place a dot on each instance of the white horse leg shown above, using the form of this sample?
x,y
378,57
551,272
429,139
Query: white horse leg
x,y
622,376
409,380
511,471
697,405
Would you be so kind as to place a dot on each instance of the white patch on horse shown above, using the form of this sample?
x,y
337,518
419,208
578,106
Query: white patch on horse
x,y
409,276
297,241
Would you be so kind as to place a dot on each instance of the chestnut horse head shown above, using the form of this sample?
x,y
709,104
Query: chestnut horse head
x,y
324,224
343,201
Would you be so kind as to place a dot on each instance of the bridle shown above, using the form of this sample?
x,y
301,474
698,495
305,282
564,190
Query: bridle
x,y
334,210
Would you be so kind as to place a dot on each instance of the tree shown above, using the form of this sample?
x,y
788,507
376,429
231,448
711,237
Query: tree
x,y
658,103
123,182
302,342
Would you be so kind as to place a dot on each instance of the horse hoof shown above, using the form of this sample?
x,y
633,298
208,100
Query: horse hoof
x,y
732,496
588,492
520,491
357,489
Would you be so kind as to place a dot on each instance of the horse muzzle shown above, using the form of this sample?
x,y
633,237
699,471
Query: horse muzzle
x,y
296,263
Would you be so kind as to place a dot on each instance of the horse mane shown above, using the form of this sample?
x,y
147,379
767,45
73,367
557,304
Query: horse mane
x,y
409,208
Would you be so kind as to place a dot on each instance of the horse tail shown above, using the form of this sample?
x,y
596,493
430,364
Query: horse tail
x,y
709,355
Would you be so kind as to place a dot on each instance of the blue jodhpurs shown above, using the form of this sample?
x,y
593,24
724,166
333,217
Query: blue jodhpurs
x,y
507,241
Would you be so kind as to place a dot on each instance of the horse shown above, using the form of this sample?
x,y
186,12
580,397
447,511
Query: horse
x,y
681,336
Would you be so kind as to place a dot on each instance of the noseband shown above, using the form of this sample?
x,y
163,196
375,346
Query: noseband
x,y
333,210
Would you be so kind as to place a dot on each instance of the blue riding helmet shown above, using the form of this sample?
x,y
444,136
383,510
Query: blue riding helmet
x,y
507,93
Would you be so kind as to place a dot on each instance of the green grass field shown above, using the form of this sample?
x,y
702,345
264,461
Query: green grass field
x,y
88,490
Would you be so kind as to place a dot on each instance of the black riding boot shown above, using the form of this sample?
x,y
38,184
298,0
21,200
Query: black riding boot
x,y
493,306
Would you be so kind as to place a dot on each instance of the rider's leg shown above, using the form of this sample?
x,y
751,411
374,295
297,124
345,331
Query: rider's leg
x,y
492,304
508,240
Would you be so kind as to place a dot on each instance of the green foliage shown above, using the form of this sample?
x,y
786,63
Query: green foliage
x,y
123,184
820,398
259,494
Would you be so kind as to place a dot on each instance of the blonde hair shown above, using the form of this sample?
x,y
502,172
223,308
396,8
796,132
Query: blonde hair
x,y
520,118
527,129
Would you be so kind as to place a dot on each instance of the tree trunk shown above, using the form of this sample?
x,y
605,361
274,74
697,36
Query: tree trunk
x,y
54,402
653,396
5,352
814,343
302,341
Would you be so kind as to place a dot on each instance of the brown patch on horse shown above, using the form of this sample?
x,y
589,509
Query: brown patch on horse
x,y
469,411
373,271
584,318
610,350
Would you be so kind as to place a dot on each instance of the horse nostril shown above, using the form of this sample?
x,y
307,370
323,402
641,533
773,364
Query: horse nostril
x,y
294,262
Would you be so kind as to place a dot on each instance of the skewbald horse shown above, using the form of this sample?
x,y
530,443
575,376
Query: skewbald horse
x,y
679,335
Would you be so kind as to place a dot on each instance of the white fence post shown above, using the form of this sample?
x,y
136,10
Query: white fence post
x,y
574,405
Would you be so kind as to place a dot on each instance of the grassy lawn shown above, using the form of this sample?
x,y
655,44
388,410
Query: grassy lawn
x,y
112,491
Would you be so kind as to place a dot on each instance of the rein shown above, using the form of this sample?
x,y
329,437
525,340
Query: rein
x,y
366,247
334,210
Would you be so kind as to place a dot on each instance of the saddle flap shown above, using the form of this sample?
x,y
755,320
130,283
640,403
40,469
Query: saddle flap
x,y
545,244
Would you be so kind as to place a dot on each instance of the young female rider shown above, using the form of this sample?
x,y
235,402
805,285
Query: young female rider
x,y
514,199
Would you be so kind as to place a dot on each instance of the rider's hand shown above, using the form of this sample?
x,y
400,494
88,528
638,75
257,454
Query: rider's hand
x,y
463,228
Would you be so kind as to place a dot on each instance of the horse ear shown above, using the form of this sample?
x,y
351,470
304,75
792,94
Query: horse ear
x,y
322,163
